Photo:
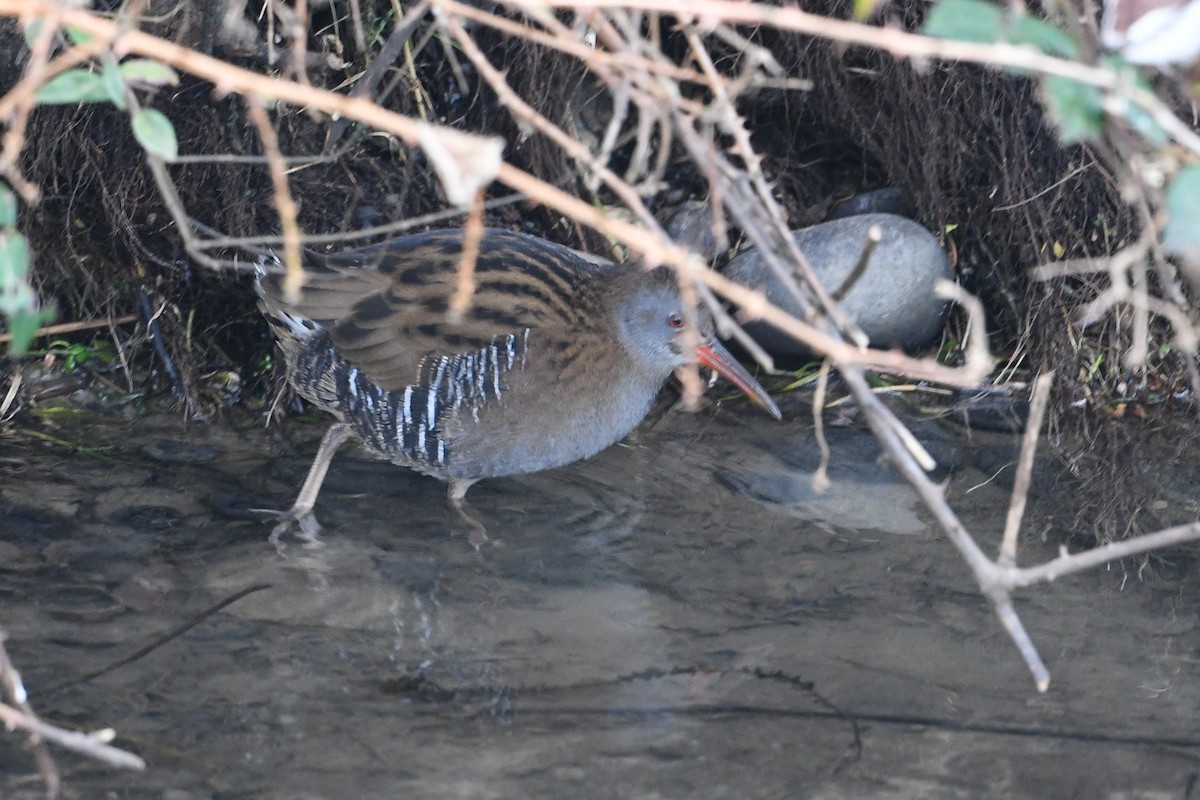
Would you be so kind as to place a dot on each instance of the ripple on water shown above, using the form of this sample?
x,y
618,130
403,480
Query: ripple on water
x,y
648,627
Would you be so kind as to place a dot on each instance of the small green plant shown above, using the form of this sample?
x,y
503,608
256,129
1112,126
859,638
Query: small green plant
x,y
1090,372
803,376
76,354
948,348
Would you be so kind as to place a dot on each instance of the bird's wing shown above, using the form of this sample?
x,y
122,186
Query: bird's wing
x,y
386,306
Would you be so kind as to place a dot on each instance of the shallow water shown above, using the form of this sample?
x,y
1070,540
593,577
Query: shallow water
x,y
679,617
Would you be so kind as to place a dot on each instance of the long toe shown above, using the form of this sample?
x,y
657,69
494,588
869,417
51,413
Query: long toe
x,y
301,523
476,531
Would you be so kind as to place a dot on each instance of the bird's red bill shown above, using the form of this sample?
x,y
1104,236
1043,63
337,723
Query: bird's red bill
x,y
714,356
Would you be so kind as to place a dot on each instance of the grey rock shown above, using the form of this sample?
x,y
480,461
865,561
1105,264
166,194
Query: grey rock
x,y
891,200
892,301
692,225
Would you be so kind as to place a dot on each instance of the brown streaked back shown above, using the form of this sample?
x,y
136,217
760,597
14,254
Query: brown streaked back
x,y
385,305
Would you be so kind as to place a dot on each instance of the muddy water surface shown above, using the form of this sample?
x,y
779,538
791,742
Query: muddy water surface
x,y
680,617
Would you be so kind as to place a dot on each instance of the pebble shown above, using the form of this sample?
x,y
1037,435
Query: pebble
x,y
892,301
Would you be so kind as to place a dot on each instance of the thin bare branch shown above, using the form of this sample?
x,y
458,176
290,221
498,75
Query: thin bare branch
x,y
1016,631
820,478
908,45
1020,492
282,195
75,327
464,286
88,744
1066,563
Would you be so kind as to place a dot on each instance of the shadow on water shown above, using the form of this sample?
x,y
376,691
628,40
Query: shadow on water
x,y
679,617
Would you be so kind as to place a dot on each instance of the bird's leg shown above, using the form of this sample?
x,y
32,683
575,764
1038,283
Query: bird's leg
x,y
300,514
457,494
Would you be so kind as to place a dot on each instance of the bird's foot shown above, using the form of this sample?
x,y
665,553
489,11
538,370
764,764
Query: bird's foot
x,y
298,521
477,538
477,535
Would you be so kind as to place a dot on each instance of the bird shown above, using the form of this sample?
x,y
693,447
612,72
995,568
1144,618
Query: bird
x,y
558,357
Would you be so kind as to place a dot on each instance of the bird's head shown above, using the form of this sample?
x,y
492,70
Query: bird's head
x,y
655,329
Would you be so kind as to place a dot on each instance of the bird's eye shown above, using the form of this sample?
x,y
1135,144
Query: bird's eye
x,y
675,320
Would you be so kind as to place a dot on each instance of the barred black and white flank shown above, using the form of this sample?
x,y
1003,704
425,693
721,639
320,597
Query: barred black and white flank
x,y
557,358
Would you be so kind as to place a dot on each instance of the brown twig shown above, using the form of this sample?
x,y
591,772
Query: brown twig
x,y
1068,563
75,327
284,203
219,241
874,236
1020,492
356,19
226,77
998,579
174,203
561,39
885,426
727,328
297,40
527,114
1127,285
464,282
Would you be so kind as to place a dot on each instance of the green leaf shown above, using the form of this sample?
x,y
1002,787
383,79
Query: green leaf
x,y
1077,109
149,73
14,267
78,35
72,86
114,83
23,325
1143,123
1044,36
987,23
8,207
17,300
968,20
1181,236
156,133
